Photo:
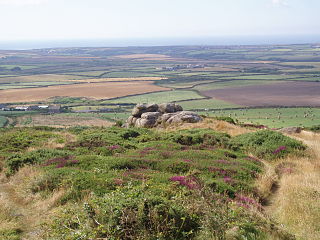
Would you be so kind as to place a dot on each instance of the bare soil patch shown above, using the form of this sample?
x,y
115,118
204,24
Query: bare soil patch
x,y
90,90
279,94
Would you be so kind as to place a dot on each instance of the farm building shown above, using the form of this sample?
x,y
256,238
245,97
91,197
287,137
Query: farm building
x,y
54,109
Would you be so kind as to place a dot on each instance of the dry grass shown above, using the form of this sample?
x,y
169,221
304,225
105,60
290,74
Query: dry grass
x,y
20,208
62,121
90,90
266,182
296,204
210,123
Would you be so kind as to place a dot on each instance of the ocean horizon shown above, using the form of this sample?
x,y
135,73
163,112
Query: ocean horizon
x,y
148,42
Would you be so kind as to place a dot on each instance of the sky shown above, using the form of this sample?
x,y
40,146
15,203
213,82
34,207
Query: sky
x,y
115,19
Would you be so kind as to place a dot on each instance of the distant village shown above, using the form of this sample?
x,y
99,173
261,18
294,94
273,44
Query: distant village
x,y
43,108
51,109
186,66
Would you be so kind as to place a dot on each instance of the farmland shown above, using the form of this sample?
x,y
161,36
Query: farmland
x,y
278,94
89,90
197,77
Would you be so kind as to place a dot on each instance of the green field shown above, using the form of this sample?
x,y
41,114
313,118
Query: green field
x,y
159,97
274,117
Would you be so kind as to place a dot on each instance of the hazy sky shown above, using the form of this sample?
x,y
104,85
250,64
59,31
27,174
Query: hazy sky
x,y
104,19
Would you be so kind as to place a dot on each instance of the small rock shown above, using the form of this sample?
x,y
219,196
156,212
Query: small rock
x,y
291,130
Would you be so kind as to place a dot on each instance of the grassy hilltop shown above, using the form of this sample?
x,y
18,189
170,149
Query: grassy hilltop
x,y
193,182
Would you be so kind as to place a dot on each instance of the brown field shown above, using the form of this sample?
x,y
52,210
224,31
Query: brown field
x,y
89,90
279,94
61,120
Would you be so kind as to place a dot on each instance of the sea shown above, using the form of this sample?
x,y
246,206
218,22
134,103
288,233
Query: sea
x,y
136,42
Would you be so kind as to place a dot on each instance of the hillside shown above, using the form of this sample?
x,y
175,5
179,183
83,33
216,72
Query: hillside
x,y
210,180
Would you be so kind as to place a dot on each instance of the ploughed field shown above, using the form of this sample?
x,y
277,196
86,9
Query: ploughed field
x,y
279,94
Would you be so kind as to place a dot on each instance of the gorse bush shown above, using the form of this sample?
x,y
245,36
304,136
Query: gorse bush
x,y
267,144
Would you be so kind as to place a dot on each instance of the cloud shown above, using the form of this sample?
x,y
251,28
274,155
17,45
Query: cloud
x,y
21,2
280,2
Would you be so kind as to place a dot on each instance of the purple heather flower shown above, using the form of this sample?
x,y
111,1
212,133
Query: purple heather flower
x,y
114,147
189,182
227,179
279,149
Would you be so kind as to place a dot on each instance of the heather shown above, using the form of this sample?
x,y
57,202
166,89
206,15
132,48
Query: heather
x,y
268,144
117,183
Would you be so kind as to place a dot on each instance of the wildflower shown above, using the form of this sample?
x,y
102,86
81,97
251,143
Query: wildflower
x,y
114,147
279,149
227,179
189,182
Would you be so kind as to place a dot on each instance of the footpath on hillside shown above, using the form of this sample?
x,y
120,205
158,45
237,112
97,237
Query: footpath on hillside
x,y
295,203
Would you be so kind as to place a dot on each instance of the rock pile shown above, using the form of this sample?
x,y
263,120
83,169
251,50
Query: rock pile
x,y
152,115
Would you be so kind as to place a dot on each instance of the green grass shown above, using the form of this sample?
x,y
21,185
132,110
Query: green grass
x,y
3,121
270,116
159,97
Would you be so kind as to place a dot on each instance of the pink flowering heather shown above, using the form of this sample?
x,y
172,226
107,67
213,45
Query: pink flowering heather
x,y
189,182
186,160
247,201
227,179
114,147
279,149
61,162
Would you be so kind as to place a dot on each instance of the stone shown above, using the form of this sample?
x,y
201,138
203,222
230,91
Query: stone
x,y
152,115
291,130
139,109
145,123
169,108
184,116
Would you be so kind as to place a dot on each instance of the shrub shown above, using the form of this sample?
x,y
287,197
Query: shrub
x,y
16,161
227,119
268,144
127,213
315,128
199,136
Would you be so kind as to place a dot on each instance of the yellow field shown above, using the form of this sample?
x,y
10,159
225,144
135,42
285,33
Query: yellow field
x,y
90,90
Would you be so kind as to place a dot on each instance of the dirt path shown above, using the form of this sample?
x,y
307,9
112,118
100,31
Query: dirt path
x,y
295,203
23,212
